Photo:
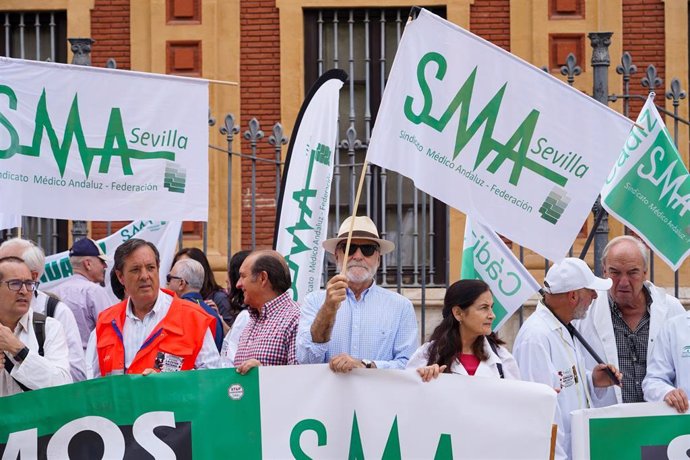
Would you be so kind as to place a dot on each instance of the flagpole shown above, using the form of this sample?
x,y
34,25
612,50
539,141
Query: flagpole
x,y
354,216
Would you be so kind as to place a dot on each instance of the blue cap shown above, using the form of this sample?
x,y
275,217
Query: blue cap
x,y
87,247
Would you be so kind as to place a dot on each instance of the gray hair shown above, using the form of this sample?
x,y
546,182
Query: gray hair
x,y
33,255
78,261
191,271
644,251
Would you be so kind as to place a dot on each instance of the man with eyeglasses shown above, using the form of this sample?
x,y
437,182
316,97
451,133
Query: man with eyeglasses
x,y
355,323
622,326
153,330
47,305
22,366
185,279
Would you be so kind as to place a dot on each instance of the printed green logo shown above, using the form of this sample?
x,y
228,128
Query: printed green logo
x,y
553,207
175,178
686,351
114,145
517,147
321,154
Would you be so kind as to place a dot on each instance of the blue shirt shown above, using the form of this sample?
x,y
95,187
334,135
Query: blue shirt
x,y
380,326
196,298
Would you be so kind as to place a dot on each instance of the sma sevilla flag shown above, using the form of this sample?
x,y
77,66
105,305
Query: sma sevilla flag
x,y
85,143
494,136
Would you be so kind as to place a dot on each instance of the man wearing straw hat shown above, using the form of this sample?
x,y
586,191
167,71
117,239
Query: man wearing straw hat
x,y
355,323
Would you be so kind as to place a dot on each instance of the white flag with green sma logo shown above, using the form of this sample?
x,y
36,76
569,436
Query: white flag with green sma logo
x,y
648,189
486,257
302,217
86,143
493,136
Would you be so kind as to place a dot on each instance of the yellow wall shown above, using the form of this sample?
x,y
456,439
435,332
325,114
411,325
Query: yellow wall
x,y
220,44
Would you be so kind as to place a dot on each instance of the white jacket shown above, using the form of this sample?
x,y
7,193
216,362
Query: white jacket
x,y
669,364
597,329
546,354
488,368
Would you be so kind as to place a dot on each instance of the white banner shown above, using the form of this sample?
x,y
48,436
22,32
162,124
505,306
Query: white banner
x,y
486,257
86,143
393,414
648,431
302,223
10,221
494,136
162,234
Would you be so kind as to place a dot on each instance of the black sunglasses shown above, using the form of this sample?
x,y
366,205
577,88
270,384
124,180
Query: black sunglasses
x,y
169,278
367,249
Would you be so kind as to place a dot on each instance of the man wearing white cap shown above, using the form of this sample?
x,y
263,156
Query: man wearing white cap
x,y
546,351
83,292
355,323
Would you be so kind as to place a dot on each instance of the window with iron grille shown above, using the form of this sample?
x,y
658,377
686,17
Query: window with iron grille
x,y
37,35
363,43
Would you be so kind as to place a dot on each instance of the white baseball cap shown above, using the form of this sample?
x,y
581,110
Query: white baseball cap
x,y
572,274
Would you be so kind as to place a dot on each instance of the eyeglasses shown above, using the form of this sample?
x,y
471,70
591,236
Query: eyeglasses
x,y
16,285
170,277
367,249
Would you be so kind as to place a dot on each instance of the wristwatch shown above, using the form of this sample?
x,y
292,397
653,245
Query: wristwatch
x,y
368,363
21,354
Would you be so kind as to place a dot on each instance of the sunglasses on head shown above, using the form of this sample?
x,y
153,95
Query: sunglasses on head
x,y
367,249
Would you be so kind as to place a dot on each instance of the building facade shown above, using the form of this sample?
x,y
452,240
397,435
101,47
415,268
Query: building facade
x,y
275,49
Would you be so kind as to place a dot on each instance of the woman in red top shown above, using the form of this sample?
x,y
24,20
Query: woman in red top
x,y
463,343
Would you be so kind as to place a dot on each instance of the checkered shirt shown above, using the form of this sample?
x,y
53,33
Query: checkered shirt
x,y
269,336
632,351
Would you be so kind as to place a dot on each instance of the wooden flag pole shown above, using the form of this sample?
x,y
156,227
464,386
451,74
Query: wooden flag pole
x,y
354,216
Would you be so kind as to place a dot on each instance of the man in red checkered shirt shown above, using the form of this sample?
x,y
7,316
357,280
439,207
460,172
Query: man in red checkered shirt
x,y
269,337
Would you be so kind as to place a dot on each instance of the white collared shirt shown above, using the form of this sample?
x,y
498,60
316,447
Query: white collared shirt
x,y
136,331
51,369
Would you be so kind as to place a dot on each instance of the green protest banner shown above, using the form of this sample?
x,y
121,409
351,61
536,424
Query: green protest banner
x,y
645,431
196,414
279,412
648,191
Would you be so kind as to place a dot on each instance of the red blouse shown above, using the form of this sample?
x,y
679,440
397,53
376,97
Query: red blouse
x,y
469,362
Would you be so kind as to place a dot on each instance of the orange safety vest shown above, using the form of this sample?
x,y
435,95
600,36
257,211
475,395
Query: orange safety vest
x,y
179,335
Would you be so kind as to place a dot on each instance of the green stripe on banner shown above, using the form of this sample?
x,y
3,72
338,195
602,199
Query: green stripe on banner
x,y
202,413
645,438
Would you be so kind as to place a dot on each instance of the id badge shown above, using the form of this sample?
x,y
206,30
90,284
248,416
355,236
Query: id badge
x,y
167,362
568,377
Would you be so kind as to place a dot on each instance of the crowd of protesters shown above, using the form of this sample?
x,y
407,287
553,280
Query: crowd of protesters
x,y
73,333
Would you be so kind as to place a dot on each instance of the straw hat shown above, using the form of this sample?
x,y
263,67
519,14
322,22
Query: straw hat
x,y
364,229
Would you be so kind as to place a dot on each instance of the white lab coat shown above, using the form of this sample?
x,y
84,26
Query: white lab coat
x,y
488,368
546,353
669,364
65,317
597,329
